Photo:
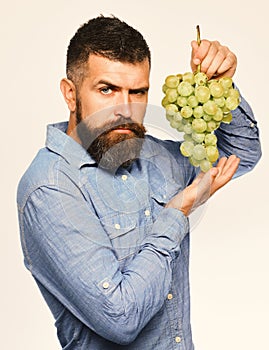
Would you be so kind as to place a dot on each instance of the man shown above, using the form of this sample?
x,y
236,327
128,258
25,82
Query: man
x,y
104,208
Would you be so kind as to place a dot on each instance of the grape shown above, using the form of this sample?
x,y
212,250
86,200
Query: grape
x,y
220,101
226,82
187,128
188,137
205,165
177,117
189,77
194,161
175,124
182,101
186,112
198,112
165,101
192,101
197,106
199,125
199,152
216,89
198,137
200,78
202,93
218,116
164,88
210,107
186,148
180,128
210,140
234,93
171,95
171,109
211,126
207,117
212,153
172,81
227,118
185,89
231,103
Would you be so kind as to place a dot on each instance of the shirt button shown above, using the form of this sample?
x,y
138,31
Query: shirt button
x,y
117,226
178,339
124,177
170,296
105,285
252,125
147,212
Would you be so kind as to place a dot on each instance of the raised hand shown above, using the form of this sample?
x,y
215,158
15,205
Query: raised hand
x,y
216,60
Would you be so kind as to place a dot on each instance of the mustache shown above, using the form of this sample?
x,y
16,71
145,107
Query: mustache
x,y
88,135
120,123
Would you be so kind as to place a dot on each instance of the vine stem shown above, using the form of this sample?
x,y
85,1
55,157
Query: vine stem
x,y
199,42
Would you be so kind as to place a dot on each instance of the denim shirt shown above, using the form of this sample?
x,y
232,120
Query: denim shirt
x,y
110,260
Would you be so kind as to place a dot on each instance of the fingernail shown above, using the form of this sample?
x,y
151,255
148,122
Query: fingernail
x,y
196,61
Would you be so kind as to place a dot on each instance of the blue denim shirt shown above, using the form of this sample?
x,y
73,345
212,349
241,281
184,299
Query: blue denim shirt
x,y
111,262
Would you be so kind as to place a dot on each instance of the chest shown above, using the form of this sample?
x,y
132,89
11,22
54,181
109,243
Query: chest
x,y
128,202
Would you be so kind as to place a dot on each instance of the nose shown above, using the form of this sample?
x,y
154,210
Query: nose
x,y
123,107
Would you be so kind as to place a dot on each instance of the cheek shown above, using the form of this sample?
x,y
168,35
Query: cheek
x,y
138,111
93,106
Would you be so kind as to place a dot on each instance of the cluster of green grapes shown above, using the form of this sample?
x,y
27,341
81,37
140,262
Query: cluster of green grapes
x,y
196,106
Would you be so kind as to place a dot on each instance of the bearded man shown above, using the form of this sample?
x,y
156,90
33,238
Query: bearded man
x,y
104,206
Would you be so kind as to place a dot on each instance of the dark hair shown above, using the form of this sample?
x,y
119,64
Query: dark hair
x,y
108,37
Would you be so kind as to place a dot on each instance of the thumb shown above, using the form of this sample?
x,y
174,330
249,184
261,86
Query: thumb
x,y
194,45
195,60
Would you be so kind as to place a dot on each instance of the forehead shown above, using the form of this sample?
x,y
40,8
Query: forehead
x,y
119,73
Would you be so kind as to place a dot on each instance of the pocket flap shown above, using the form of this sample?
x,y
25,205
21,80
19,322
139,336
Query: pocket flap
x,y
118,224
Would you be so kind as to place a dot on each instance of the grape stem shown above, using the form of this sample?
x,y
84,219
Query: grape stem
x,y
198,42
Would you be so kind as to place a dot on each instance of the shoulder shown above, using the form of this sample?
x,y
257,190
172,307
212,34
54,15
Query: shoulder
x,y
45,170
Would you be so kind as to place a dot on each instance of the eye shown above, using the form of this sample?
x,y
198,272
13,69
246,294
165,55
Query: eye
x,y
106,90
139,92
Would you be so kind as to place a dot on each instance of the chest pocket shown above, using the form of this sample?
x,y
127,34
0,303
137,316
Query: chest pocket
x,y
124,234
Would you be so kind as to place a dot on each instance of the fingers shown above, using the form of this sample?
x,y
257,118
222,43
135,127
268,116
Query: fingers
x,y
230,167
216,60
226,169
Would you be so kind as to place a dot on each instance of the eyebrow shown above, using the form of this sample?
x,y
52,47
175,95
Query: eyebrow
x,y
113,86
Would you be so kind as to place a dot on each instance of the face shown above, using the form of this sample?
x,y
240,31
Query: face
x,y
110,109
113,89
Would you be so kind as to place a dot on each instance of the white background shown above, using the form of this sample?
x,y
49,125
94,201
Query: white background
x,y
229,255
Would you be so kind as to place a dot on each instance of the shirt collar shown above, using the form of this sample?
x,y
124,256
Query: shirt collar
x,y
59,142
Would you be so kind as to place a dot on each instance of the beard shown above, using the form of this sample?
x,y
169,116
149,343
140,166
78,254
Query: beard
x,y
111,149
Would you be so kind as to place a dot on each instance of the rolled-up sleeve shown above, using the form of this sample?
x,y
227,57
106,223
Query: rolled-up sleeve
x,y
69,253
241,137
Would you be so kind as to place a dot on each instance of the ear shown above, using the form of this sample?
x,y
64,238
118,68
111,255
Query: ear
x,y
69,93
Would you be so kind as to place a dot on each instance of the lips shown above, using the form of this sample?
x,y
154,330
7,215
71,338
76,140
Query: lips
x,y
122,131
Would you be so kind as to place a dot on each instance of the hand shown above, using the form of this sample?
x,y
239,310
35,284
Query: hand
x,y
204,186
216,60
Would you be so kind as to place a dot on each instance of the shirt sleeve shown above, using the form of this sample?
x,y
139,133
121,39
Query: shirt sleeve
x,y
240,137
69,253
